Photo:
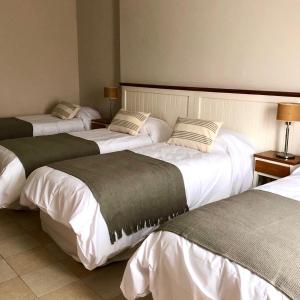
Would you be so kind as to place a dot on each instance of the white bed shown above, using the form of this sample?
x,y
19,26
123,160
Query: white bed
x,y
184,270
47,124
12,172
72,216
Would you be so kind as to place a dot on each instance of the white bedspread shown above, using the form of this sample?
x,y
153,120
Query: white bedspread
x,y
207,177
46,124
171,267
12,173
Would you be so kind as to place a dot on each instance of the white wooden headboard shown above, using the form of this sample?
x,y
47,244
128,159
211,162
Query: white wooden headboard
x,y
252,115
163,104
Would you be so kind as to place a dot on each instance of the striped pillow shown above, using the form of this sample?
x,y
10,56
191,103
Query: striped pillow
x,y
195,133
65,110
128,122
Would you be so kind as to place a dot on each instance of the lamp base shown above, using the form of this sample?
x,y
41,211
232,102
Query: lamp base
x,y
285,155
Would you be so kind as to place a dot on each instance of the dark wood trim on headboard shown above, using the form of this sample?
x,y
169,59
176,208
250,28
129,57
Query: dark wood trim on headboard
x,y
215,90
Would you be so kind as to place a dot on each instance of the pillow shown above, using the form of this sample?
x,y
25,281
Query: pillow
x,y
195,133
86,114
128,122
65,110
158,130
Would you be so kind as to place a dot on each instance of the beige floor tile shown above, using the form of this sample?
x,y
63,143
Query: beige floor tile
x,y
30,222
42,237
10,229
118,297
77,268
6,212
5,216
15,289
56,251
16,245
31,260
6,272
106,281
49,279
76,290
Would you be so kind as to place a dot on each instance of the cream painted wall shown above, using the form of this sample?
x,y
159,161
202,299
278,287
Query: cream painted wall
x,y
38,55
227,44
98,46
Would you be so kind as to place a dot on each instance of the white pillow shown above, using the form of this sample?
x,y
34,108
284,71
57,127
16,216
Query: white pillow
x,y
158,130
86,114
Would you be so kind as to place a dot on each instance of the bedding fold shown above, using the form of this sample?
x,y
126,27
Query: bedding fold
x,y
35,152
11,128
256,229
134,191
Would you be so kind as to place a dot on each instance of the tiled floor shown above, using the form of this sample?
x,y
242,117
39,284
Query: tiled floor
x,y
33,267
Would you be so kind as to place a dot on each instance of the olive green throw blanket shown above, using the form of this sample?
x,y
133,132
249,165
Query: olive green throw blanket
x,y
11,128
134,191
35,152
256,229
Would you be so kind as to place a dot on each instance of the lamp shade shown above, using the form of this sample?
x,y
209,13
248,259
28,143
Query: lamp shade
x,y
111,93
288,112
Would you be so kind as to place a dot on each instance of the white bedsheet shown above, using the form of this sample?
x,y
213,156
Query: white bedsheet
x,y
171,267
12,173
207,177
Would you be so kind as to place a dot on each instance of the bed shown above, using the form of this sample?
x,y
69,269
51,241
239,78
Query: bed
x,y
170,266
13,173
72,216
46,124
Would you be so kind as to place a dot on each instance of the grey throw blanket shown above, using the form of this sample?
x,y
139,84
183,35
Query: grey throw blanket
x,y
256,229
35,152
11,128
134,191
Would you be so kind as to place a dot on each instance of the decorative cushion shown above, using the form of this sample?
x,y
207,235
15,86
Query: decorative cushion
x,y
65,110
195,133
128,122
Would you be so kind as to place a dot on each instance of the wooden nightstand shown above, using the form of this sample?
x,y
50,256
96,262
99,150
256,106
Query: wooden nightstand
x,y
100,123
268,167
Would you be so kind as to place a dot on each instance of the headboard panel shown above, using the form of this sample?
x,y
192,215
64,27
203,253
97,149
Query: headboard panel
x,y
252,115
163,104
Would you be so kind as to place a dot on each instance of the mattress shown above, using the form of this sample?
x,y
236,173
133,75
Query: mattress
x,y
207,177
201,273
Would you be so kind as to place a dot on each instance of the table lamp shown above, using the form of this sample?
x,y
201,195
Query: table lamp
x,y
287,112
111,93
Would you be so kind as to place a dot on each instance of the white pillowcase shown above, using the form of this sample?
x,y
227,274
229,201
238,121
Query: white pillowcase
x,y
158,130
86,114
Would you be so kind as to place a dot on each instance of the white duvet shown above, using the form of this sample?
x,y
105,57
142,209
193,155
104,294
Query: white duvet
x,y
171,267
12,172
207,177
47,124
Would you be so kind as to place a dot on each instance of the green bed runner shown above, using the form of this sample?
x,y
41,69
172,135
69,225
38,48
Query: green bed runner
x,y
256,229
134,191
12,128
35,152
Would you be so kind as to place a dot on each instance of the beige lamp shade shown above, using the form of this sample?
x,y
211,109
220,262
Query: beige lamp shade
x,y
288,112
111,93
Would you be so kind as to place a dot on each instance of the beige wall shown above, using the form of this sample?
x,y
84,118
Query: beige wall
x,y
38,55
98,48
227,44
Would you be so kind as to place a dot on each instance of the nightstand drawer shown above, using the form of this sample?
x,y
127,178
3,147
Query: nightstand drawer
x,y
271,169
